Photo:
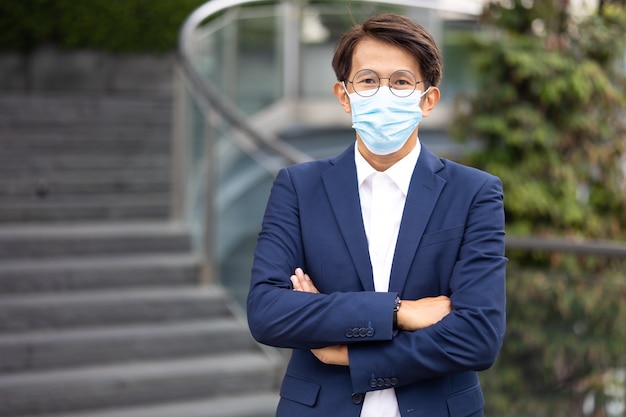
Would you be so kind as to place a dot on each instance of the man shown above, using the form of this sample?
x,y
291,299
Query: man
x,y
382,268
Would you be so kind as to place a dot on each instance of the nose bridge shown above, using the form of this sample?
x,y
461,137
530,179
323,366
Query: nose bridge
x,y
388,81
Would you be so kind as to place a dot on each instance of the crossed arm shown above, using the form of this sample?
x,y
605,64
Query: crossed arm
x,y
413,315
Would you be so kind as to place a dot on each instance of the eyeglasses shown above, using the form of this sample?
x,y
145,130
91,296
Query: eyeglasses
x,y
402,83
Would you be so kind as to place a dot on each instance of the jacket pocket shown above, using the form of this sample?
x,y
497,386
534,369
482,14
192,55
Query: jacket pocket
x,y
442,236
466,403
299,390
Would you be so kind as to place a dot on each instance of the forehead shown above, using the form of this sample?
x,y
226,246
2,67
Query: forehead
x,y
383,57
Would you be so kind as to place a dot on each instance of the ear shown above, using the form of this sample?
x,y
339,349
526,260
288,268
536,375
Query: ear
x,y
430,100
342,96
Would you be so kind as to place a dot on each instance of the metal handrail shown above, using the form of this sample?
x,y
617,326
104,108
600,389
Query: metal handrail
x,y
562,245
208,93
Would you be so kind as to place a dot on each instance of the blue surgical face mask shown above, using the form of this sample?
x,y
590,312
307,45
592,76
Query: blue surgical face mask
x,y
385,121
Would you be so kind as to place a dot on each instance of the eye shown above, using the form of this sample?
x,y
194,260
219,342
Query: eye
x,y
366,78
402,80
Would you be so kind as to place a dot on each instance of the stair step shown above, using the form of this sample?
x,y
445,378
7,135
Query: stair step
x,y
35,163
97,109
252,405
84,239
69,213
120,174
98,272
24,143
43,187
48,349
135,383
59,200
23,313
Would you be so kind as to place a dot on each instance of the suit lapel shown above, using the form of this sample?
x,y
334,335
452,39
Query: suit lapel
x,y
424,190
342,189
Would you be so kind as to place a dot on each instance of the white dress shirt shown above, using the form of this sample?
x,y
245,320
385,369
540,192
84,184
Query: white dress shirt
x,y
382,196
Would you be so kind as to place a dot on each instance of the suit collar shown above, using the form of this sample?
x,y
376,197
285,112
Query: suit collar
x,y
424,191
342,189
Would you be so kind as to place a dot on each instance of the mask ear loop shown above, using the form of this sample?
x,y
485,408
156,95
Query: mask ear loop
x,y
345,88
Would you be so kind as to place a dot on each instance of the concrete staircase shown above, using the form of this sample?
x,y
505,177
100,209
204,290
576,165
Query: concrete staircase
x,y
101,310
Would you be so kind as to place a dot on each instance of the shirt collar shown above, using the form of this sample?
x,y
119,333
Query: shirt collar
x,y
400,172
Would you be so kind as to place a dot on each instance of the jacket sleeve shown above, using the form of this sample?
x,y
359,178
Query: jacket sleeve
x,y
281,317
470,337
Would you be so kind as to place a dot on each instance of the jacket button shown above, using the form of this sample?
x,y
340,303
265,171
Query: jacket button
x,y
355,332
370,332
357,398
362,332
349,333
394,382
387,382
373,383
380,382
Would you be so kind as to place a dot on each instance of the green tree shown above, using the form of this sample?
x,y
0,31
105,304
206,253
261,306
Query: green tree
x,y
549,114
107,25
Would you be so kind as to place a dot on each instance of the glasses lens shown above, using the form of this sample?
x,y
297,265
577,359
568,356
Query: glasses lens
x,y
402,83
366,83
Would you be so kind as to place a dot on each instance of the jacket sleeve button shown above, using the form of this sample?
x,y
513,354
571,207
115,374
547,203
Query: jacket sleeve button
x,y
373,383
357,398
370,332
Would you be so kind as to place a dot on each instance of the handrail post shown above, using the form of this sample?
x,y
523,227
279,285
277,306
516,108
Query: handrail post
x,y
291,49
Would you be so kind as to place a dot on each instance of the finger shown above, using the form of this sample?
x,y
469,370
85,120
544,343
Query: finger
x,y
308,285
295,282
304,281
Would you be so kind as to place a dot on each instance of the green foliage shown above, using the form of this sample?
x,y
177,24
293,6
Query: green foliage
x,y
550,115
565,334
108,25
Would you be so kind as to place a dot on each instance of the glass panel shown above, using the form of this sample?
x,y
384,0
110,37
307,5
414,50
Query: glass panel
x,y
241,53
195,168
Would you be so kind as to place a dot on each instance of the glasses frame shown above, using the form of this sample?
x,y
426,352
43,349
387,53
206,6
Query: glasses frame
x,y
388,83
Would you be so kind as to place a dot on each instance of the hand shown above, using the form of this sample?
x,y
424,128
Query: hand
x,y
302,282
333,355
418,314
330,355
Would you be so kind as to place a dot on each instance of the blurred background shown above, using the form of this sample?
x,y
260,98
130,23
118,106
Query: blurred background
x,y
138,143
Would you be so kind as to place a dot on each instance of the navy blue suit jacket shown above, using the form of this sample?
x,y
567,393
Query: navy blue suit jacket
x,y
451,242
